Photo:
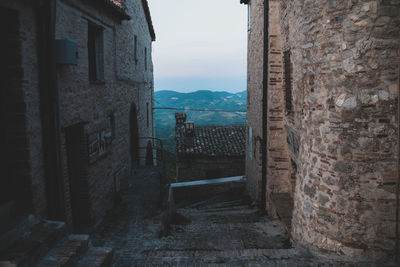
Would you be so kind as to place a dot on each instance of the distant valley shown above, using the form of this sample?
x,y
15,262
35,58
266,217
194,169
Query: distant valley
x,y
165,119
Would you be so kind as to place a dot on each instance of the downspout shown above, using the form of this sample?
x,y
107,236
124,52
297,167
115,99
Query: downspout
x,y
264,142
49,109
397,252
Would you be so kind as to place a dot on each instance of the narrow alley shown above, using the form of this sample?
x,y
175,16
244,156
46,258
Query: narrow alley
x,y
199,133
223,230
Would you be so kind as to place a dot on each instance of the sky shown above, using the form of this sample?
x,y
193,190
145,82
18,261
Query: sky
x,y
200,45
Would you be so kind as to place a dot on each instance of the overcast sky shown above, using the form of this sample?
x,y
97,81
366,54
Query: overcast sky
x,y
201,45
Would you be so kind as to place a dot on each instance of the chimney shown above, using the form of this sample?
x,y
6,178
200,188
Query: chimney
x,y
189,134
180,118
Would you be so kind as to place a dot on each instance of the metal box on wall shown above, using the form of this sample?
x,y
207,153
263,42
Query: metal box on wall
x,y
67,52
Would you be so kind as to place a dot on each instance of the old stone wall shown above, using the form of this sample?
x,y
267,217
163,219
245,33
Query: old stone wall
x,y
126,81
25,125
345,60
191,169
254,99
103,106
137,71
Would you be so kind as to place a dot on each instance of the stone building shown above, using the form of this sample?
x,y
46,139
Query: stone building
x,y
207,152
323,125
77,98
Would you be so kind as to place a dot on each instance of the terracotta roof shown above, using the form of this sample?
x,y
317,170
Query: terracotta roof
x,y
113,6
212,141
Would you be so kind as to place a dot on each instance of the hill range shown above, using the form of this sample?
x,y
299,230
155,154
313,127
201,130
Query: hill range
x,y
204,100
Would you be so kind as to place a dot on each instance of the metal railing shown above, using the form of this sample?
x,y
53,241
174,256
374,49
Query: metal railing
x,y
158,160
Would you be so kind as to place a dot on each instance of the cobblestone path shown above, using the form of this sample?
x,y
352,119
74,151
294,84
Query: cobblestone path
x,y
220,231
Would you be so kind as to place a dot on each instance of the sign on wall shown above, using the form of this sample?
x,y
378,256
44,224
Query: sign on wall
x,y
98,144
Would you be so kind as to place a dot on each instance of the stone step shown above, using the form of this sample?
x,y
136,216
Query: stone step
x,y
225,257
227,208
33,245
223,213
67,252
264,262
217,201
200,190
97,257
15,228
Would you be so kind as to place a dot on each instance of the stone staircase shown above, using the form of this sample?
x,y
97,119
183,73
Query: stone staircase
x,y
242,257
224,230
48,244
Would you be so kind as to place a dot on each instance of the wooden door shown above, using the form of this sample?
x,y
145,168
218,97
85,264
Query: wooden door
x,y
77,158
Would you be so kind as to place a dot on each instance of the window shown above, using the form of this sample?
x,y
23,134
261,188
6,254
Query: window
x,y
145,58
288,82
112,124
135,50
147,114
95,52
251,143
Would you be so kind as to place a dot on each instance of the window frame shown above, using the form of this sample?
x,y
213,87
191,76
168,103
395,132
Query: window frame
x,y
135,44
145,58
95,46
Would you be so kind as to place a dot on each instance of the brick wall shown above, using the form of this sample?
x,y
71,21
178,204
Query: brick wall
x,y
254,99
126,81
278,162
278,165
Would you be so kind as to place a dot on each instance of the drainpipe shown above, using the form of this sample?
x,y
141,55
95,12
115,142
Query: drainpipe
x,y
264,142
49,109
397,252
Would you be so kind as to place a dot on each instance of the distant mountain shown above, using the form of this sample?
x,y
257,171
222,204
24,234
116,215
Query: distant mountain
x,y
165,119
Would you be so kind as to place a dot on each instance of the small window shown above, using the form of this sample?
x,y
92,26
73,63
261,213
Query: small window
x,y
95,52
135,50
250,143
145,58
112,124
288,82
147,114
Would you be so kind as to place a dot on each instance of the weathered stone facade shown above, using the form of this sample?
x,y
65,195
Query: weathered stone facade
x,y
99,119
127,81
340,120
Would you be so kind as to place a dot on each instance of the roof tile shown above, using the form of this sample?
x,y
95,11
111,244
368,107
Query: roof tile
x,y
214,141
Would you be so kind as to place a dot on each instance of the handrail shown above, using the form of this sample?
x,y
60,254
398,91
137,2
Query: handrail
x,y
160,159
149,137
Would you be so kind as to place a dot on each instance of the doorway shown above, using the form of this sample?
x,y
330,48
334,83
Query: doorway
x,y
77,158
134,135
6,185
12,113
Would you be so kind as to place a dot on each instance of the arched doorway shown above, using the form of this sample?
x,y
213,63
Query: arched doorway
x,y
149,154
134,135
